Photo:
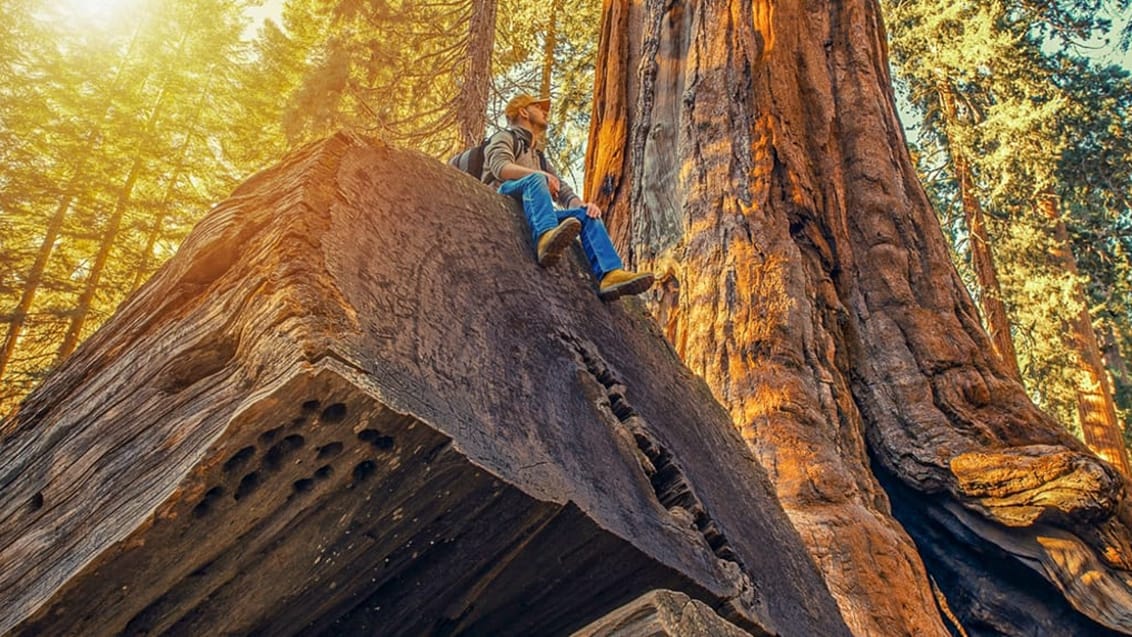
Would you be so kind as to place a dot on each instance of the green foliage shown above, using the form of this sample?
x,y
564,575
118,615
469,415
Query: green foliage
x,y
113,129
393,69
118,131
387,69
572,76
1034,121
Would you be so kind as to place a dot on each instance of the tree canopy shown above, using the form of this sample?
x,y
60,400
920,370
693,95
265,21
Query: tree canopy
x,y
122,124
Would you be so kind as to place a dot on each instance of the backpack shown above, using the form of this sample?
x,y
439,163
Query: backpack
x,y
472,159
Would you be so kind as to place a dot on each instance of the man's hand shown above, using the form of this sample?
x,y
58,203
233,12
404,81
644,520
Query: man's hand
x,y
592,211
554,185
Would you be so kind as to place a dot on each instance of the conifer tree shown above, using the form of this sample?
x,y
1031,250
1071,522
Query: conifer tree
x,y
995,102
471,102
76,105
123,139
387,69
184,53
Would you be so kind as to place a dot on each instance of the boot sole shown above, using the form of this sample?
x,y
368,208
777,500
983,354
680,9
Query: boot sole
x,y
566,232
630,287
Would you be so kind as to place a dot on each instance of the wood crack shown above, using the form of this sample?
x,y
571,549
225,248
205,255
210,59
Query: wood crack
x,y
670,484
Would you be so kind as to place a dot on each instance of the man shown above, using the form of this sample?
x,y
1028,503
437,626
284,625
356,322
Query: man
x,y
513,164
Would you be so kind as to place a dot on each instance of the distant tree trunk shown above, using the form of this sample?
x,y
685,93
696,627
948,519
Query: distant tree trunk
x,y
472,101
749,153
548,46
90,286
1096,408
109,237
175,175
145,263
990,299
34,276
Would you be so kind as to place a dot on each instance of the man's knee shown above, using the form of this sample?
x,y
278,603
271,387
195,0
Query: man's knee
x,y
535,179
587,220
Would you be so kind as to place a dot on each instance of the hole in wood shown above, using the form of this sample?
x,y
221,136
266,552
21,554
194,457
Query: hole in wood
x,y
334,413
301,486
620,408
239,459
329,450
35,502
311,405
268,436
324,472
205,505
364,470
281,450
375,438
247,485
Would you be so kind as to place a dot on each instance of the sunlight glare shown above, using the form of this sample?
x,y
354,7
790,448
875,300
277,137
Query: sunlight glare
x,y
104,12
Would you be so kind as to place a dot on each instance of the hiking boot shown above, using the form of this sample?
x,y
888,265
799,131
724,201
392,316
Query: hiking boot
x,y
618,283
552,242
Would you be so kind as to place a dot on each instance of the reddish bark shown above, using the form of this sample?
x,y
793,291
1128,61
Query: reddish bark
x,y
990,298
1096,409
471,103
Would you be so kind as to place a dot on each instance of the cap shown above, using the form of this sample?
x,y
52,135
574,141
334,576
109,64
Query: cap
x,y
523,100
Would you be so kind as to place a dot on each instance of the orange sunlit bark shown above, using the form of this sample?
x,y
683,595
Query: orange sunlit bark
x,y
1095,406
990,297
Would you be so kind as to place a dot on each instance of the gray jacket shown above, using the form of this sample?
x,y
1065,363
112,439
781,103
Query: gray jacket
x,y
501,150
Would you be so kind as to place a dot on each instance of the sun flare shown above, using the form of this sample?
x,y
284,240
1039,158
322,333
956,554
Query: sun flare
x,y
105,11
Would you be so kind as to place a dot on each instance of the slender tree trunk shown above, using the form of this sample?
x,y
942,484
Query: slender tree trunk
x,y
144,264
110,235
472,101
178,170
35,276
749,153
1096,408
55,225
90,286
990,300
548,46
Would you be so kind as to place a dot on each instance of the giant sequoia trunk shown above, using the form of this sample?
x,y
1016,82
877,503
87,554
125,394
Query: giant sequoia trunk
x,y
353,405
749,152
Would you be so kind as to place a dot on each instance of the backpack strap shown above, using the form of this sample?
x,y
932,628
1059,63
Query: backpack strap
x,y
521,146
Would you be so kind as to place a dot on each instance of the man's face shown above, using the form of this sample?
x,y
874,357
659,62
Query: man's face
x,y
536,116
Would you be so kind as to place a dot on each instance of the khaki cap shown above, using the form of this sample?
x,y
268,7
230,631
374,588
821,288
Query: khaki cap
x,y
521,101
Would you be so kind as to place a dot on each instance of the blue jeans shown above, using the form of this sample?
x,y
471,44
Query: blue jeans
x,y
534,193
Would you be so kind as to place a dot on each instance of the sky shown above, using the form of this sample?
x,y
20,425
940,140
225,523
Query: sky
x,y
270,9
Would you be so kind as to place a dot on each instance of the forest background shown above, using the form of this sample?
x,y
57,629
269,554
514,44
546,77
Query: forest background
x,y
123,122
